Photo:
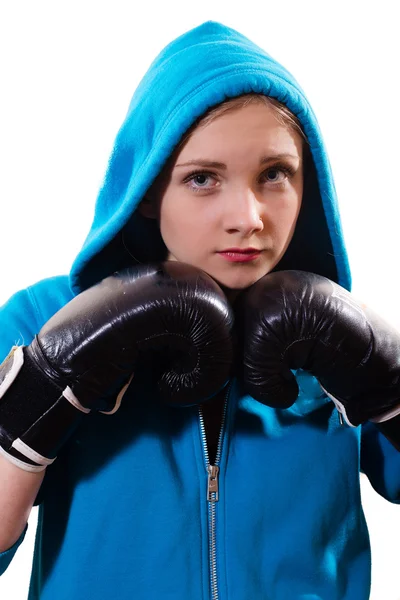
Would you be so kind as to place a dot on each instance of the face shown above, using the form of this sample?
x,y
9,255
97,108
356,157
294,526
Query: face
x,y
242,190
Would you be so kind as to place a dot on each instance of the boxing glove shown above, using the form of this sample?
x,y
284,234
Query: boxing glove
x,y
297,320
84,357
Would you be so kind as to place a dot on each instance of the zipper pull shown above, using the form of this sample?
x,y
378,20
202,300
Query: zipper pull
x,y
212,485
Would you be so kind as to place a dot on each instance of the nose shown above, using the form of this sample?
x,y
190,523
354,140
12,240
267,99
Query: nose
x,y
243,214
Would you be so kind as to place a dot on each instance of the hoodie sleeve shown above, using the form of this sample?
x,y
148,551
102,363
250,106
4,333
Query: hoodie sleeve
x,y
25,313
7,556
18,322
21,318
380,462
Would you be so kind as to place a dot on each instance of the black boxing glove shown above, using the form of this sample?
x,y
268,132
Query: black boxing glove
x,y
84,357
293,319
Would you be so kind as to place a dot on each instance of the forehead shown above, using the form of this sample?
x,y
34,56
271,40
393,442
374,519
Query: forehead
x,y
247,129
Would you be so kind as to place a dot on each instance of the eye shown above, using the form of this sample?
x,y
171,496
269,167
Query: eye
x,y
273,174
200,179
278,173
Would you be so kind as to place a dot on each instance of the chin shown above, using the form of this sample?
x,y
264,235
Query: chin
x,y
239,283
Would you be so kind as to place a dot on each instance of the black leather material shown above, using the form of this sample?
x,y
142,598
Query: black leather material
x,y
172,312
172,316
299,320
391,430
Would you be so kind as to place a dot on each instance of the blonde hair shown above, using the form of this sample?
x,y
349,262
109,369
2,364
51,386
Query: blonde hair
x,y
283,115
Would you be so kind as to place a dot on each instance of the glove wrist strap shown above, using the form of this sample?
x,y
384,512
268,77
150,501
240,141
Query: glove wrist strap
x,y
36,414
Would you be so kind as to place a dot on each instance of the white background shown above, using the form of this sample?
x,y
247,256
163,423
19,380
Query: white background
x,y
68,70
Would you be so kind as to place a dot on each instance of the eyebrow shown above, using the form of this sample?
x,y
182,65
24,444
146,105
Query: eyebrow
x,y
219,165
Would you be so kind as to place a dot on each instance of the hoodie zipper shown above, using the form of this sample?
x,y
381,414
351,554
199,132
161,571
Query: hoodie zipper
x,y
213,493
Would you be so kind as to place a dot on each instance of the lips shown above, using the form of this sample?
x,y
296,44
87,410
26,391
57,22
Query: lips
x,y
240,251
239,254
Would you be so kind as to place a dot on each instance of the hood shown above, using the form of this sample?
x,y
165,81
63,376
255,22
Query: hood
x,y
198,70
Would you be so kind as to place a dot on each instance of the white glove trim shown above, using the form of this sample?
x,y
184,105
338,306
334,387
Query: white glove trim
x,y
119,398
16,354
390,414
21,464
339,407
72,399
27,451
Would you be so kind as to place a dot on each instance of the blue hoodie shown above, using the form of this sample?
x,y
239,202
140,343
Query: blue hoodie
x,y
124,510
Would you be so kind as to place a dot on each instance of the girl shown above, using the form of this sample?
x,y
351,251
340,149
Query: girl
x,y
219,164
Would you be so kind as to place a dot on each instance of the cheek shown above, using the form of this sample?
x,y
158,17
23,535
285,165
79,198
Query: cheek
x,y
184,220
285,219
177,228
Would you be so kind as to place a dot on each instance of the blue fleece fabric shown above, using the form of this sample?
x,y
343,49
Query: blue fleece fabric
x,y
124,511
